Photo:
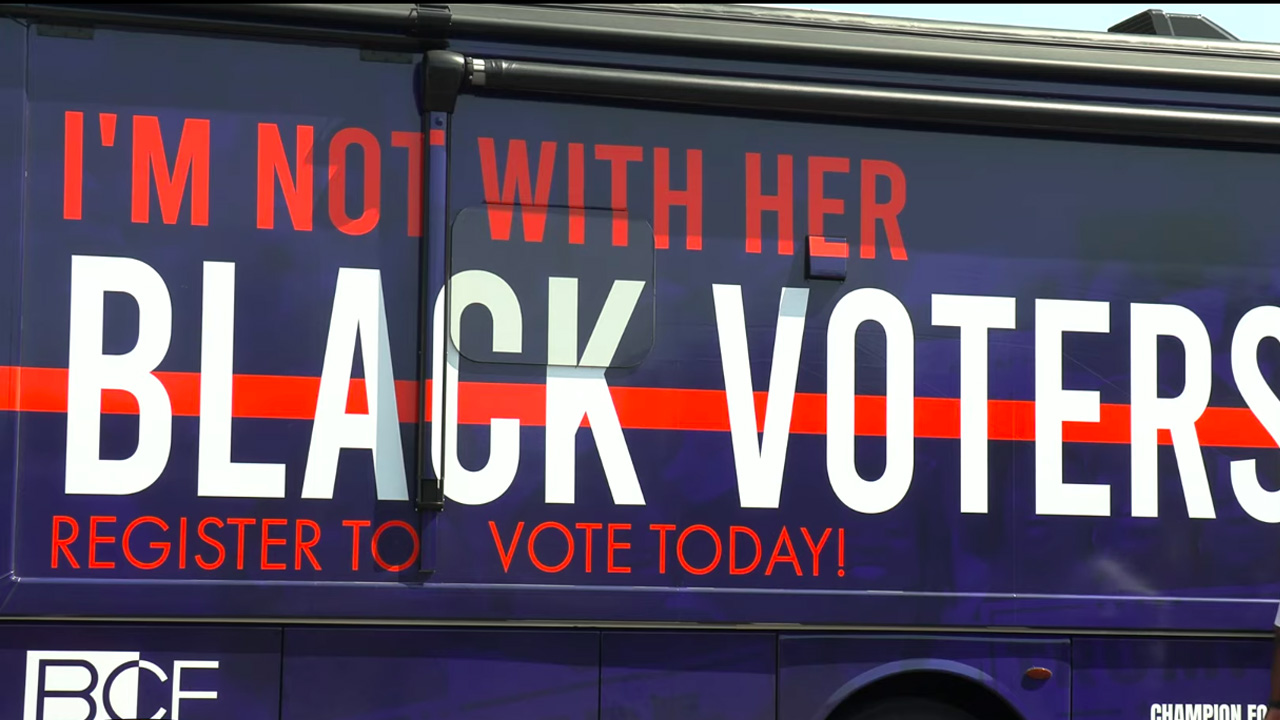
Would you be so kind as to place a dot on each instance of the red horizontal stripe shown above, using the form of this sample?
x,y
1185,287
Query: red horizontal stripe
x,y
294,398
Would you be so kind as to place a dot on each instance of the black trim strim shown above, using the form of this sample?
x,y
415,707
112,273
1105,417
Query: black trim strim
x,y
399,26
875,104
723,31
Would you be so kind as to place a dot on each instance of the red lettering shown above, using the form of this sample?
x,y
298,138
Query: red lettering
x,y
273,164
163,547
64,544
664,197
107,128
734,531
819,246
355,526
304,546
412,141
820,206
758,203
618,156
222,555
507,553
586,547
615,545
377,554
680,550
182,543
662,545
783,539
515,188
149,160
840,552
372,205
95,539
577,196
815,549
72,166
568,552
240,524
568,556
267,541
886,213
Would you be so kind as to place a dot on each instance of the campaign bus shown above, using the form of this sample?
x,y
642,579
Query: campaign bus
x,y
568,362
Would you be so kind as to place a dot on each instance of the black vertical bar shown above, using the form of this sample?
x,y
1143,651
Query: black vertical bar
x,y
432,279
441,79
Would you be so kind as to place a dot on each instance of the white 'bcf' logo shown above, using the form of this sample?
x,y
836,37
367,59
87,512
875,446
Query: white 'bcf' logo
x,y
74,685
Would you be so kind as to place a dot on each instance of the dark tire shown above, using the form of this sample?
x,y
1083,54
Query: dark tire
x,y
907,709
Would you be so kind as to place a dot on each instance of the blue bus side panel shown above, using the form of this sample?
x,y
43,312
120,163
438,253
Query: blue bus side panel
x,y
234,93
13,75
674,675
817,672
1024,219
1166,678
355,674
51,672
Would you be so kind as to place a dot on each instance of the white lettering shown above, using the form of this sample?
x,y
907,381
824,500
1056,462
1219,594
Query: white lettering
x,y
359,311
217,475
1150,413
473,487
1257,325
759,461
855,308
179,694
96,685
577,388
1055,405
975,316
90,371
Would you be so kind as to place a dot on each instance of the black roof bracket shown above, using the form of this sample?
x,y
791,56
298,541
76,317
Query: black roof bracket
x,y
1159,22
444,73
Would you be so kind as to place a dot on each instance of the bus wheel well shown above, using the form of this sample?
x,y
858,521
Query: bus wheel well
x,y
930,686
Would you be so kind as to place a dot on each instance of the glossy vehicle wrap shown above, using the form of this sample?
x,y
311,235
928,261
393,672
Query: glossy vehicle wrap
x,y
228,261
